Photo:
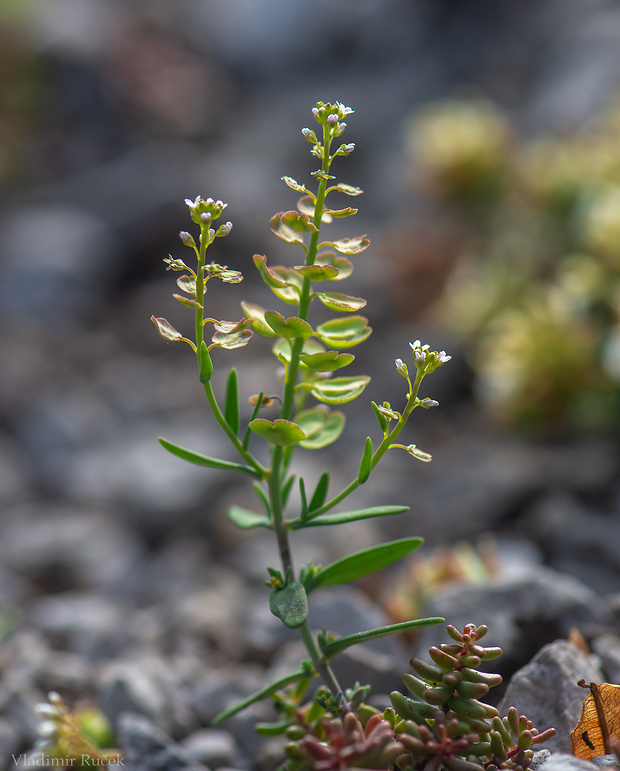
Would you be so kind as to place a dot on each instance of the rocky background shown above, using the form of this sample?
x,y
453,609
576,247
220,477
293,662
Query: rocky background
x,y
120,579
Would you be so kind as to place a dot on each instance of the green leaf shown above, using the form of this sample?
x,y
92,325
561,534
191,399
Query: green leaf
x,y
299,222
326,361
317,272
187,284
290,604
294,185
338,390
280,432
341,302
344,332
320,492
366,462
288,225
331,648
321,426
292,291
342,264
262,496
269,276
362,563
246,520
380,417
286,489
205,366
204,460
257,314
304,499
282,349
231,405
263,693
274,729
349,245
343,517
288,328
346,189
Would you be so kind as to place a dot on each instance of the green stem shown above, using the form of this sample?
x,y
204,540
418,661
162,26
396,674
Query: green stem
x,y
321,666
199,332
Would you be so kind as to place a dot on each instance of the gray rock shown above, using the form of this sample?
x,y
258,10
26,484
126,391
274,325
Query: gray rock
x,y
607,647
607,761
145,685
561,761
10,741
147,748
546,690
213,748
523,613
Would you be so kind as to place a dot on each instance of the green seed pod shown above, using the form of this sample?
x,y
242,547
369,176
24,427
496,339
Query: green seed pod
x,y
429,672
443,659
474,676
472,690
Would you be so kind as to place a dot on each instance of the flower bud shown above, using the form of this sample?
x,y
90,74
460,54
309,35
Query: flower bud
x,y
187,238
401,367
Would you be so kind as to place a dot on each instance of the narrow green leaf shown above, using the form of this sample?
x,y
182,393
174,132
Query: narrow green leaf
x,y
204,460
205,367
231,405
286,488
263,693
337,301
255,411
321,426
380,417
342,517
262,496
362,563
279,432
246,519
290,604
274,729
320,492
342,643
366,462
338,390
304,499
344,332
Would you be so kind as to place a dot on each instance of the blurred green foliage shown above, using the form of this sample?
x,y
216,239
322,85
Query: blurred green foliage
x,y
535,294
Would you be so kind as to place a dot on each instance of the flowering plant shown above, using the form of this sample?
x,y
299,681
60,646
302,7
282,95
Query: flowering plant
x,y
310,359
